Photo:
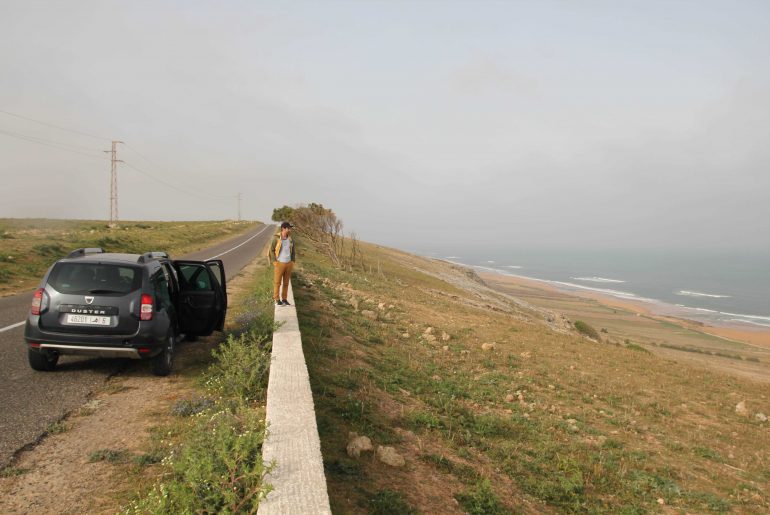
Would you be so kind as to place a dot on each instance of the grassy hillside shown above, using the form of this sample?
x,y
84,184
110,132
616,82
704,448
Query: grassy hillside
x,y
29,246
497,408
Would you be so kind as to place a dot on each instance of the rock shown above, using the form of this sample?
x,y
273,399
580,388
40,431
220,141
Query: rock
x,y
389,456
488,346
572,429
661,501
571,421
551,387
741,409
761,417
428,331
334,302
358,444
405,336
369,314
526,355
444,337
436,377
381,306
445,347
429,337
509,398
354,303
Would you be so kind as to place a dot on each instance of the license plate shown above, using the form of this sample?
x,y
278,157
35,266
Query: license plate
x,y
87,320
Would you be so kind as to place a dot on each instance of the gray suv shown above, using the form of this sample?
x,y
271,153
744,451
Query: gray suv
x,y
123,305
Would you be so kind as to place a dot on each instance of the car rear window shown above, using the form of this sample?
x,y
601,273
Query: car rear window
x,y
82,278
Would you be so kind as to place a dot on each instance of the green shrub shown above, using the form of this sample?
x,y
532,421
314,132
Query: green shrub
x,y
637,348
241,368
481,500
584,328
388,502
220,470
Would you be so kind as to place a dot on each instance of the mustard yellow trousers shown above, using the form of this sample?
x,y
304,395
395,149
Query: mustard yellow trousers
x,y
281,273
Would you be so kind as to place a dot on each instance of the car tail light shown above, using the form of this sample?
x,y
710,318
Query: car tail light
x,y
145,312
39,302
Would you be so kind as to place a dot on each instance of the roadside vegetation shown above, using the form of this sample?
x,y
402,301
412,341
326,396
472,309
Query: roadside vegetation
x,y
208,459
494,411
29,246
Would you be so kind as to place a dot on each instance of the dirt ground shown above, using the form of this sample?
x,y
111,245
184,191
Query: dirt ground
x,y
61,473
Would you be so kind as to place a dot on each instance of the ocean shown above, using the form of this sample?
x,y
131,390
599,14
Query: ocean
x,y
720,287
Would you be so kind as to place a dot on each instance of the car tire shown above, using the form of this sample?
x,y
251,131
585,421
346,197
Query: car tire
x,y
162,364
43,361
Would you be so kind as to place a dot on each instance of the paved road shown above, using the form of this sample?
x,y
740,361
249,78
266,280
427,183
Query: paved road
x,y
30,401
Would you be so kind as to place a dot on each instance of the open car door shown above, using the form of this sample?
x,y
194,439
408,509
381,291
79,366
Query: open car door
x,y
202,302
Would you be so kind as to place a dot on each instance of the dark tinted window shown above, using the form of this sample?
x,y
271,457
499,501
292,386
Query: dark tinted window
x,y
162,293
195,277
82,278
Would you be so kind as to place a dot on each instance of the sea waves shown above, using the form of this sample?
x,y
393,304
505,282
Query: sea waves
x,y
597,280
686,293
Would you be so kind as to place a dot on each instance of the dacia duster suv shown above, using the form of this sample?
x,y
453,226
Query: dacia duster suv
x,y
123,305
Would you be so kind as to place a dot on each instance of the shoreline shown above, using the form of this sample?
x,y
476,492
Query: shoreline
x,y
755,336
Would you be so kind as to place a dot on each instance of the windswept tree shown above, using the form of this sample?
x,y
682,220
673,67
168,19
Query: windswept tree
x,y
321,226
282,214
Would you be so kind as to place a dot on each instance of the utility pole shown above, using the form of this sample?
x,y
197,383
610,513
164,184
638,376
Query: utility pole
x,y
114,183
239,207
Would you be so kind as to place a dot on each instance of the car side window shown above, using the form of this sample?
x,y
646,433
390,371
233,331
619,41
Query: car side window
x,y
196,278
162,293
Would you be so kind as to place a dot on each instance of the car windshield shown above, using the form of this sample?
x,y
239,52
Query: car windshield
x,y
94,278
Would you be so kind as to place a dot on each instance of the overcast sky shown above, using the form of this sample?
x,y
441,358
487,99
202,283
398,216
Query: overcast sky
x,y
617,124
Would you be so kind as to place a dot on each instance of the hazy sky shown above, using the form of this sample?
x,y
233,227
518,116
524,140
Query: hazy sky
x,y
456,123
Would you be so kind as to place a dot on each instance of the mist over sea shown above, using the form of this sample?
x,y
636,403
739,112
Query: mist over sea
x,y
712,286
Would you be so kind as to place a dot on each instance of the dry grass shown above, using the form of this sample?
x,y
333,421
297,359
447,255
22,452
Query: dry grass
x,y
542,421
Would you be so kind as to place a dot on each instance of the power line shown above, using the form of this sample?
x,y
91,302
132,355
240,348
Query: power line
x,y
53,125
174,186
50,143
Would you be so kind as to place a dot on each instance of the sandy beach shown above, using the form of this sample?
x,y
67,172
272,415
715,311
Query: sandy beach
x,y
734,348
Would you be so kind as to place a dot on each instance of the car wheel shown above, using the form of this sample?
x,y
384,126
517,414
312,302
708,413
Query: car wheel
x,y
162,363
44,361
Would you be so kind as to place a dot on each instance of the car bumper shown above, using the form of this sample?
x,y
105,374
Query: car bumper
x,y
135,346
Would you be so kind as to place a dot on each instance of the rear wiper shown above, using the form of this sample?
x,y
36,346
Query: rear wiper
x,y
104,291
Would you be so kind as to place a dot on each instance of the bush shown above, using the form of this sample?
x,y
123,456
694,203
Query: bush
x,y
241,368
387,502
481,500
219,471
585,329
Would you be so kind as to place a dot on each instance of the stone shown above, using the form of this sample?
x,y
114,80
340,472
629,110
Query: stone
x,y
369,314
436,377
358,444
444,337
389,456
761,417
428,331
429,337
526,355
661,501
509,398
488,346
354,303
405,336
741,409
381,306
445,347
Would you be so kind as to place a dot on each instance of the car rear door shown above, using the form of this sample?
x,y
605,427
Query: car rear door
x,y
201,300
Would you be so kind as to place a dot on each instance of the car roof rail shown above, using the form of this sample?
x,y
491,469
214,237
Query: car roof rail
x,y
147,256
82,252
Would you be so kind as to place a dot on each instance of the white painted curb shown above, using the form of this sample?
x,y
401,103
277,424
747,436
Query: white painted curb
x,y
299,483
